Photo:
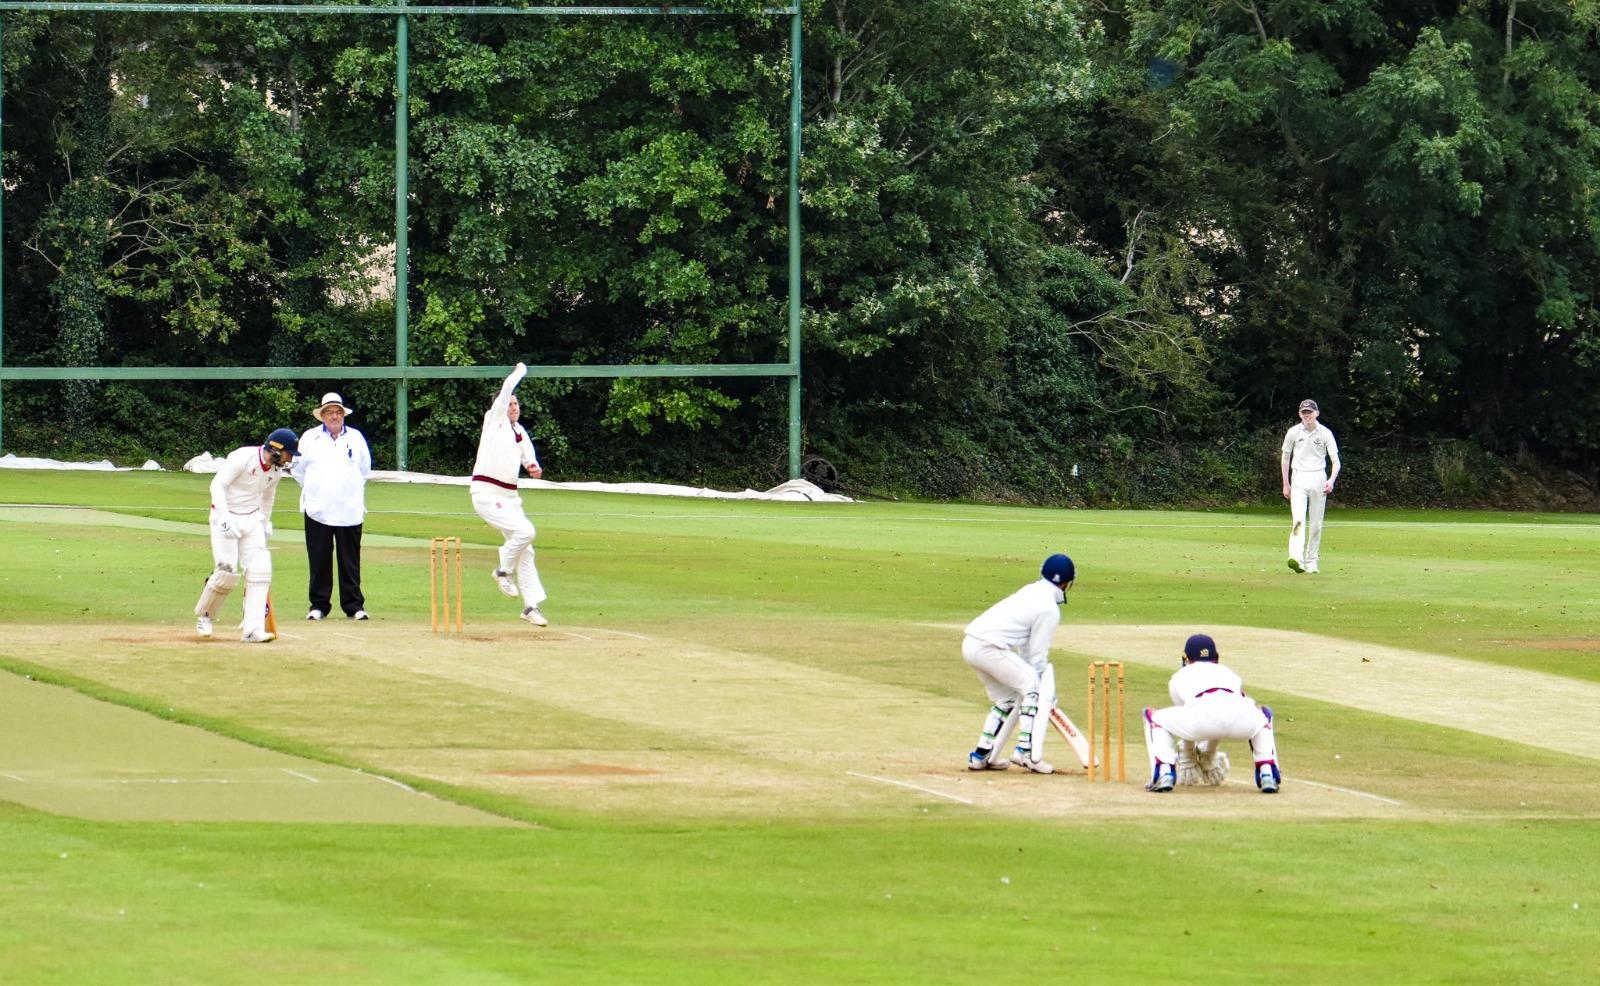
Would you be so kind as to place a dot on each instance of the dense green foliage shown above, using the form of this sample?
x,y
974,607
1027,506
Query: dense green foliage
x,y
1053,250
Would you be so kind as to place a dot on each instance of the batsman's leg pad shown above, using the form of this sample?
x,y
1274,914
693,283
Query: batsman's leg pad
x,y
998,718
1030,740
221,582
257,580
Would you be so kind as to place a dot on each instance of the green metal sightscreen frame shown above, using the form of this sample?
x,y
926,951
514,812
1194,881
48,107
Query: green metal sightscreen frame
x,y
402,372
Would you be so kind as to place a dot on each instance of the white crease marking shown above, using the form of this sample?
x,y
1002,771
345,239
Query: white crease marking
x,y
914,787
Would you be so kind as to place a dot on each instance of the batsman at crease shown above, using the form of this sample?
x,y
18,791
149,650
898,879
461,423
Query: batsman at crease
x,y
1008,647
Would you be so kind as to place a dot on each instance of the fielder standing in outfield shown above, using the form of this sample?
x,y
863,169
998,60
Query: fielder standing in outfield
x,y
1307,483
242,493
332,471
1208,705
503,447
1009,648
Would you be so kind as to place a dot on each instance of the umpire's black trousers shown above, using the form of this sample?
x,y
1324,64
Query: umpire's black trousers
x,y
321,542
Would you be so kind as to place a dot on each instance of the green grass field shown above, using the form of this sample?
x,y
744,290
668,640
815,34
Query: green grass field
x,y
736,755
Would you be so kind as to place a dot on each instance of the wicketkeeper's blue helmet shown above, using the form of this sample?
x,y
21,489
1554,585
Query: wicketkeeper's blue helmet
x,y
283,440
1059,571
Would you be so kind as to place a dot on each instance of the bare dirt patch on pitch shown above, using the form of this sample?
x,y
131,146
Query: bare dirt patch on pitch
x,y
68,754
625,724
1514,704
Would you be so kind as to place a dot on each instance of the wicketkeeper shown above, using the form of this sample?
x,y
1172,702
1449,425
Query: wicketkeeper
x,y
1009,648
242,493
1208,705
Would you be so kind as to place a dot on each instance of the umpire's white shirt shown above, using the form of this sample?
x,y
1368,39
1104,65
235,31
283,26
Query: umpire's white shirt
x,y
333,476
1307,451
1024,621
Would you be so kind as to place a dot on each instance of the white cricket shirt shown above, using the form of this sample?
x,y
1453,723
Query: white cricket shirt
x,y
1305,451
245,482
1199,677
1026,621
503,447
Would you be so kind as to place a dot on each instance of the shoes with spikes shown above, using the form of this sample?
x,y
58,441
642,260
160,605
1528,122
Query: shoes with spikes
x,y
1295,566
507,584
202,626
532,615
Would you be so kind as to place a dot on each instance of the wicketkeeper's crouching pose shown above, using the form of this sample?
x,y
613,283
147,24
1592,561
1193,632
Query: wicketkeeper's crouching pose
x,y
1009,648
242,493
1209,705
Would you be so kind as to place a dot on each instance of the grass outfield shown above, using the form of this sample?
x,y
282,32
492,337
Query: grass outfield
x,y
737,751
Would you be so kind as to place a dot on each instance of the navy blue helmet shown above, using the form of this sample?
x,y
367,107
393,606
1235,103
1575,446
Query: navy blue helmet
x,y
1059,571
283,440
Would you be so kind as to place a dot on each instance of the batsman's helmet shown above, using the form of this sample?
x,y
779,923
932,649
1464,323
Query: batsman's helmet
x,y
283,440
1059,571
1200,647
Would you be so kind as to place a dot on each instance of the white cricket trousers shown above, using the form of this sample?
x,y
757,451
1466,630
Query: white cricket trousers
x,y
1307,503
1218,716
502,510
1011,683
246,554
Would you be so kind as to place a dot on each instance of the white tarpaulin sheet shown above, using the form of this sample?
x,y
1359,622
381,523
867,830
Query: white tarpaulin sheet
x,y
205,462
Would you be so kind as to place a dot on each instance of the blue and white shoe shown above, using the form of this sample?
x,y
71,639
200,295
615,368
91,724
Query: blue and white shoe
x,y
1162,779
1267,777
979,760
1037,766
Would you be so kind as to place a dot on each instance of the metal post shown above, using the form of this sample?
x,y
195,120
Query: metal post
x,y
794,243
2,253
402,257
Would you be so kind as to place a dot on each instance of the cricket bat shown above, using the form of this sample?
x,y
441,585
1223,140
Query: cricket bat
x,y
272,620
1070,733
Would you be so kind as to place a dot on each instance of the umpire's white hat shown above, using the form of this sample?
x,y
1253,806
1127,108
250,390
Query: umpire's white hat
x,y
330,399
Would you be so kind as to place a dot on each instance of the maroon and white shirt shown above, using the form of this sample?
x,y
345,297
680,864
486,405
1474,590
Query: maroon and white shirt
x,y
503,447
246,482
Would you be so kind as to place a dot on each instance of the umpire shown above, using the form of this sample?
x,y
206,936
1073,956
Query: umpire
x,y
332,471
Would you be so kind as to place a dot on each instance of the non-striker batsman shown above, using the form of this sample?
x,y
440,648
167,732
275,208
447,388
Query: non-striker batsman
x,y
242,493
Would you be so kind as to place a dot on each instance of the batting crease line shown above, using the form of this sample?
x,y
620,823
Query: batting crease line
x,y
402,786
914,787
1334,787
296,773
19,780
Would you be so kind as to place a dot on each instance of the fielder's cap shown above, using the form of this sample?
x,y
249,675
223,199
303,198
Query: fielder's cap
x,y
1309,405
330,399
1200,647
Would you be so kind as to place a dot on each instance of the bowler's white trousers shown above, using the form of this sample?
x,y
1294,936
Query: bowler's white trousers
x,y
502,510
